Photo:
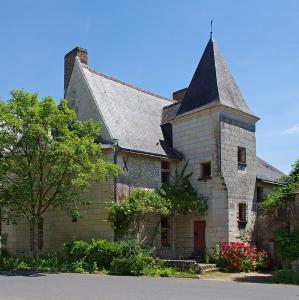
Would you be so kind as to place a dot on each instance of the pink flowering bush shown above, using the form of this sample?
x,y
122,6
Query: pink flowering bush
x,y
240,257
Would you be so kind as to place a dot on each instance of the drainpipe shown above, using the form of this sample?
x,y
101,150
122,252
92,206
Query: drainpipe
x,y
115,148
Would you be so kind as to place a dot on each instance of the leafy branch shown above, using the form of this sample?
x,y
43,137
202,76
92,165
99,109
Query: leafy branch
x,y
283,196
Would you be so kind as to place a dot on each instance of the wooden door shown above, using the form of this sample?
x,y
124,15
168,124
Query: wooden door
x,y
199,236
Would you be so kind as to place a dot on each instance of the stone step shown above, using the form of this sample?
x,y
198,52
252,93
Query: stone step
x,y
186,265
210,270
205,268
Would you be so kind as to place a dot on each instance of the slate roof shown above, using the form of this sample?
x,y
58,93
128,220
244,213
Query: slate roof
x,y
266,172
132,115
212,82
170,112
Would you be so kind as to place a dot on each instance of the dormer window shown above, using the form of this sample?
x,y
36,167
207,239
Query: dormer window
x,y
242,158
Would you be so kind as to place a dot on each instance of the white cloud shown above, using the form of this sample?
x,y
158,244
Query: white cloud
x,y
291,130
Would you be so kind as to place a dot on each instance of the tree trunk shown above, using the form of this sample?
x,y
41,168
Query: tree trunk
x,y
33,227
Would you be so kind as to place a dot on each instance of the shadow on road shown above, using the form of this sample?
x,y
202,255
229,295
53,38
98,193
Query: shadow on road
x,y
22,273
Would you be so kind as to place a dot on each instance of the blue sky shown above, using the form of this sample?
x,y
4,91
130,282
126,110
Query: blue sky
x,y
156,45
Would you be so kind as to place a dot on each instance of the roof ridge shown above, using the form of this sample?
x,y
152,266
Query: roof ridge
x,y
212,41
126,84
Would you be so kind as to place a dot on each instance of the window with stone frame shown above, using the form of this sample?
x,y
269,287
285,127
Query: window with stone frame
x,y
165,172
165,232
40,234
242,215
241,158
259,194
205,170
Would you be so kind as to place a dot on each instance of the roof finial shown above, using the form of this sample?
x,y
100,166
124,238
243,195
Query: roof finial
x,y
211,32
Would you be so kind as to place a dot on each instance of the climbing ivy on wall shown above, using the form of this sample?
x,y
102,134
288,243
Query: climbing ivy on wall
x,y
182,196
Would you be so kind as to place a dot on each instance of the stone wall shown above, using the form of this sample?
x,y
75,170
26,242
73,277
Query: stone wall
x,y
240,183
58,226
197,137
139,170
82,102
267,225
203,137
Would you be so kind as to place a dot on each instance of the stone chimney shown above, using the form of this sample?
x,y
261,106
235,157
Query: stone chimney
x,y
179,95
69,61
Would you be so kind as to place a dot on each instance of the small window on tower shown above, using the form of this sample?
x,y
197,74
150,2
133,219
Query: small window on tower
x,y
165,232
241,158
165,172
205,170
40,234
242,220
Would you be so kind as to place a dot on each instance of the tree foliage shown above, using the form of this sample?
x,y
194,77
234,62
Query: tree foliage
x,y
47,158
130,213
182,196
283,195
287,246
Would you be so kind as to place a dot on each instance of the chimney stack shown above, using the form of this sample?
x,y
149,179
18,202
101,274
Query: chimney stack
x,y
69,61
179,95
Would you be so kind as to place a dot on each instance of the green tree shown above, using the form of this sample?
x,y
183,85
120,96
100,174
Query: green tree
x,y
283,196
132,213
182,196
47,159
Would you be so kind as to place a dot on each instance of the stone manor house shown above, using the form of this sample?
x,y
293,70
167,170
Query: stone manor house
x,y
208,124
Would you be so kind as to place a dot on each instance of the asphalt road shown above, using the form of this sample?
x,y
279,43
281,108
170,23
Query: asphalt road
x,y
75,286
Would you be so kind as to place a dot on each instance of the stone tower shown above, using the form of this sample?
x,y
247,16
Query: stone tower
x,y
215,130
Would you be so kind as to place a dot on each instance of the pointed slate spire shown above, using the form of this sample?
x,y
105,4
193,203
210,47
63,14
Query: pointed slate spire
x,y
212,82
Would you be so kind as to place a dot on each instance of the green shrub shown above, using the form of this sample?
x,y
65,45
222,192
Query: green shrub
x,y
287,276
287,246
50,263
124,258
167,272
140,264
102,252
77,267
127,266
130,248
76,250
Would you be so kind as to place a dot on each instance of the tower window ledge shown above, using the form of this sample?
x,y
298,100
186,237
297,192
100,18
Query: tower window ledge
x,y
205,178
242,166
